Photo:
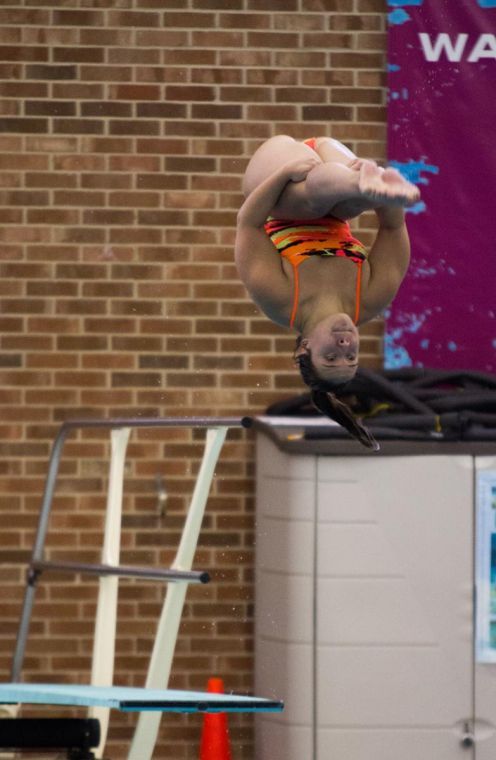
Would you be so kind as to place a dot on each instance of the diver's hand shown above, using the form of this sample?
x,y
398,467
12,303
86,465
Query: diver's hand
x,y
297,171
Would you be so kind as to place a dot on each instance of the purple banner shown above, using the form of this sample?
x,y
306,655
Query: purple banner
x,y
442,136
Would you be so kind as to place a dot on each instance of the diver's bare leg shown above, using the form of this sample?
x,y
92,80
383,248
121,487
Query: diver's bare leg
x,y
341,184
346,192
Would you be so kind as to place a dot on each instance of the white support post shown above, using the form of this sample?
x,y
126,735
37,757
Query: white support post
x,y
145,735
102,673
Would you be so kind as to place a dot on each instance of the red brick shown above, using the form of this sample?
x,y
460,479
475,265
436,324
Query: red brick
x,y
272,113
328,41
336,6
10,36
23,125
134,163
17,53
300,59
300,94
11,216
40,71
102,108
133,127
49,144
80,163
24,235
131,56
217,76
190,164
162,218
262,76
189,57
78,18
134,199
218,39
79,198
190,93
78,55
135,235
23,89
78,126
223,5
246,94
133,18
158,74
10,179
79,235
136,308
372,113
163,290
53,179
371,78
10,143
19,16
52,216
10,108
165,146
244,21
136,344
137,379
106,180
327,113
77,90
135,92
162,38
161,110
106,37
107,74
199,111
354,60
167,326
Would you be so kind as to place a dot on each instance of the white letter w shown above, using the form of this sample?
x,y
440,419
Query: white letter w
x,y
442,43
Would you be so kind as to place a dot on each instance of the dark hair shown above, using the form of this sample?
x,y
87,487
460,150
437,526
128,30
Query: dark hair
x,y
322,394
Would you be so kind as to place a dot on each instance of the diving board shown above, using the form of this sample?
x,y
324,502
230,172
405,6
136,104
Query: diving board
x,y
130,699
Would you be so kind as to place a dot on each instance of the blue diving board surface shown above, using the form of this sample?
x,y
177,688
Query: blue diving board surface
x,y
131,699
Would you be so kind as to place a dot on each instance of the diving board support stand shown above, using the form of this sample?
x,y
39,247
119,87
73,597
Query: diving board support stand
x,y
102,673
145,735
101,696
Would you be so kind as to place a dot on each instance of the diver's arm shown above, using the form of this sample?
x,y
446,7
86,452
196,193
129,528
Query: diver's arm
x,y
389,257
257,259
261,201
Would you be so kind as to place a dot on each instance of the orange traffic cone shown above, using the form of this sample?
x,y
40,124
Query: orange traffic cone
x,y
215,743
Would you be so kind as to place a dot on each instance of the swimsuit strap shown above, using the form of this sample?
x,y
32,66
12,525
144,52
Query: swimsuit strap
x,y
296,294
358,291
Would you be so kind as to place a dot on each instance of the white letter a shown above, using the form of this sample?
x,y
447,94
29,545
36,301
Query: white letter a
x,y
485,47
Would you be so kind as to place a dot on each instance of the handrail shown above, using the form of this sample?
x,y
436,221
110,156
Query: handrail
x,y
66,427
122,571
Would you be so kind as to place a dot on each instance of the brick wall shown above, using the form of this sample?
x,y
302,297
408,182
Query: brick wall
x,y
125,128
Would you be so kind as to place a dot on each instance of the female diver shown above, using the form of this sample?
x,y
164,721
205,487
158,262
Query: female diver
x,y
299,198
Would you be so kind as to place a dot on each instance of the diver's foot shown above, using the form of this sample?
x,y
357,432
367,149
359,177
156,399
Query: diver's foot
x,y
386,186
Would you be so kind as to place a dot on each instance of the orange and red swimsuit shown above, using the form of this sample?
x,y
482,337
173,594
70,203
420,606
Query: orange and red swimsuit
x,y
298,239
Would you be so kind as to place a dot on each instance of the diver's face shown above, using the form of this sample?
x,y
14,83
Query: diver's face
x,y
334,344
